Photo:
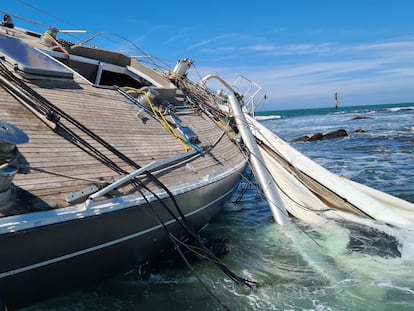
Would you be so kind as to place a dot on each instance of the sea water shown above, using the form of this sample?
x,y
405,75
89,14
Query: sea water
x,y
330,268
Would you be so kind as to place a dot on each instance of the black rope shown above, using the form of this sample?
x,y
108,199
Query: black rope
x,y
172,197
196,275
244,187
89,149
174,240
206,253
54,114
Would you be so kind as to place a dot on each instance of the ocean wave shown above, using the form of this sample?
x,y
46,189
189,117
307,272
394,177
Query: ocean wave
x,y
271,117
385,110
374,110
397,109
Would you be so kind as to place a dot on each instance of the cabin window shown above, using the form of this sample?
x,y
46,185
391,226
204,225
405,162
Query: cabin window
x,y
31,62
100,73
120,79
102,67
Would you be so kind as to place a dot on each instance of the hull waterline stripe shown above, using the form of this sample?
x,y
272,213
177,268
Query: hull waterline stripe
x,y
104,245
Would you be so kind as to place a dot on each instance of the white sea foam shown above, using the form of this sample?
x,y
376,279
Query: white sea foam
x,y
265,118
397,109
389,284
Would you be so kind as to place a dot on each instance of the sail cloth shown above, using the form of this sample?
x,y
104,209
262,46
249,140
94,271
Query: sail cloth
x,y
314,194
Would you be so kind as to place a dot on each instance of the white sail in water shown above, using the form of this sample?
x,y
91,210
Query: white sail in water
x,y
313,194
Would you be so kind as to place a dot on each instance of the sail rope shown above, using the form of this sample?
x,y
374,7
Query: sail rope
x,y
199,250
54,114
176,243
165,124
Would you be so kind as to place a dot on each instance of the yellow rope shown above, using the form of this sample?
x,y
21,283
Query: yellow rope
x,y
54,41
166,124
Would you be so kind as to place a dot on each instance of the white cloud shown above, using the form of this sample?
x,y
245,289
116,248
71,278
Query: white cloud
x,y
378,72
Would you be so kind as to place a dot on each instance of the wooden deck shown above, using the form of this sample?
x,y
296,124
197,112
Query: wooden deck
x,y
66,168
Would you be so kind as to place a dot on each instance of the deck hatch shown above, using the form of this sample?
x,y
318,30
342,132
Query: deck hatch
x,y
32,61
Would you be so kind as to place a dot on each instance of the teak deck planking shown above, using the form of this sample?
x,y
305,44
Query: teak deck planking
x,y
113,118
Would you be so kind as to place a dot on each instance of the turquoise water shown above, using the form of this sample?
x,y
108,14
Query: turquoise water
x,y
330,268
331,110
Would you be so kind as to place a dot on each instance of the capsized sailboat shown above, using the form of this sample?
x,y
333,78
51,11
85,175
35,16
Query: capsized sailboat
x,y
104,159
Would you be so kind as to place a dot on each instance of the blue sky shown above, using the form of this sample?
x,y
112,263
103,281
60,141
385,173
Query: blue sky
x,y
300,52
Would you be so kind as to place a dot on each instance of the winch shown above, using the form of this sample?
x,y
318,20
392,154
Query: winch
x,y
182,67
10,137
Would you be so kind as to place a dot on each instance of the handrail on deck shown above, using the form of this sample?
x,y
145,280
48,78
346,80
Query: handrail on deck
x,y
248,95
155,165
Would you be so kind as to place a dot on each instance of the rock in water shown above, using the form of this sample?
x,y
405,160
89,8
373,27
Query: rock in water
x,y
335,134
320,136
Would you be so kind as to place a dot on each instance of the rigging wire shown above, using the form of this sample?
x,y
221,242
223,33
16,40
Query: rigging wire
x,y
41,25
244,187
191,232
46,13
41,104
25,19
161,65
44,106
201,250
180,220
184,223
149,58
54,114
200,280
195,93
29,167
176,243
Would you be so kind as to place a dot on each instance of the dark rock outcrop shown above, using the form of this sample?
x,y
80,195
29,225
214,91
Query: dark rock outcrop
x,y
360,118
320,136
335,134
